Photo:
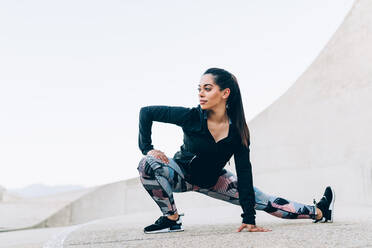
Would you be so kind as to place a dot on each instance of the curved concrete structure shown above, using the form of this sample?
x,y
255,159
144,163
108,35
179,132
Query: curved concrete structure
x,y
319,132
2,193
119,198
18,213
81,206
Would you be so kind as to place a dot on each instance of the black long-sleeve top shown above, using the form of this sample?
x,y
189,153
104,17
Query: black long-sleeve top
x,y
200,156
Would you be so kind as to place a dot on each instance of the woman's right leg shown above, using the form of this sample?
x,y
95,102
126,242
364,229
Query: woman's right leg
x,y
226,189
283,208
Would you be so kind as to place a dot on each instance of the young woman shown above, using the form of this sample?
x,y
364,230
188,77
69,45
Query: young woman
x,y
213,131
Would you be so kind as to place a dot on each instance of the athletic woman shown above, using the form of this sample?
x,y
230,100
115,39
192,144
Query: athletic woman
x,y
213,131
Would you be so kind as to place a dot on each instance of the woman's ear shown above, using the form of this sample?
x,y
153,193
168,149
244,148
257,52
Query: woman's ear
x,y
226,93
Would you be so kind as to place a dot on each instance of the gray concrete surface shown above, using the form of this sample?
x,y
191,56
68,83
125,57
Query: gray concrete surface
x,y
204,227
284,235
34,238
216,227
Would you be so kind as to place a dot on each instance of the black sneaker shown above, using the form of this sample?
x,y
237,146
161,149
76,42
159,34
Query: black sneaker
x,y
326,205
163,224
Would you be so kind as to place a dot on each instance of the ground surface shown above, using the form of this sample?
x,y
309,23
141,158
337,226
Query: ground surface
x,y
208,227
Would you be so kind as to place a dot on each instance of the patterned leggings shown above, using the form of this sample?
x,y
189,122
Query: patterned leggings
x,y
160,180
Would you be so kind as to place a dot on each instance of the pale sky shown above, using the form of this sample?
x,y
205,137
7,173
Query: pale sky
x,y
74,74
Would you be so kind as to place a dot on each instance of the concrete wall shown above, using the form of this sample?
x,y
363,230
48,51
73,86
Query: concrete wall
x,y
119,198
2,192
319,131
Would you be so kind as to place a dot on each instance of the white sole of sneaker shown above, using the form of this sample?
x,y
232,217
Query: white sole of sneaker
x,y
332,205
165,230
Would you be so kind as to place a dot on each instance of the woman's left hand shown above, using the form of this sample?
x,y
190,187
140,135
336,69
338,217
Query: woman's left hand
x,y
252,228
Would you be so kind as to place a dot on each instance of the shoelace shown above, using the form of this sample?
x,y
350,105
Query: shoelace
x,y
161,220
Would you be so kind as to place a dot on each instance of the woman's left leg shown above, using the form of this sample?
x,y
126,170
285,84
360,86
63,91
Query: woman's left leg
x,y
226,189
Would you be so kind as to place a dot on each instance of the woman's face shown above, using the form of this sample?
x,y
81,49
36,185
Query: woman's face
x,y
210,94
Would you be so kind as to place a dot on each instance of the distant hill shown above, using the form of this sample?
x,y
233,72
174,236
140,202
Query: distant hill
x,y
37,190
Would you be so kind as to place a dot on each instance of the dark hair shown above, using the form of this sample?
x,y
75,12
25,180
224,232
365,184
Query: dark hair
x,y
234,104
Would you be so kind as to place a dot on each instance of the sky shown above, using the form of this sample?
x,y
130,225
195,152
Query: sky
x,y
75,73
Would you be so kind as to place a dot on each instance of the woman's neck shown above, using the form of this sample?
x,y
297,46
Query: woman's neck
x,y
218,114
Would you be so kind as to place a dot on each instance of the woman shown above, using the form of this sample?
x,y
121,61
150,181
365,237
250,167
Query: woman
x,y
213,132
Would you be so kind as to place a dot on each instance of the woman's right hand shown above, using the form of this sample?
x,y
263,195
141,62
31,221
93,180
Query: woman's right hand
x,y
253,228
159,155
